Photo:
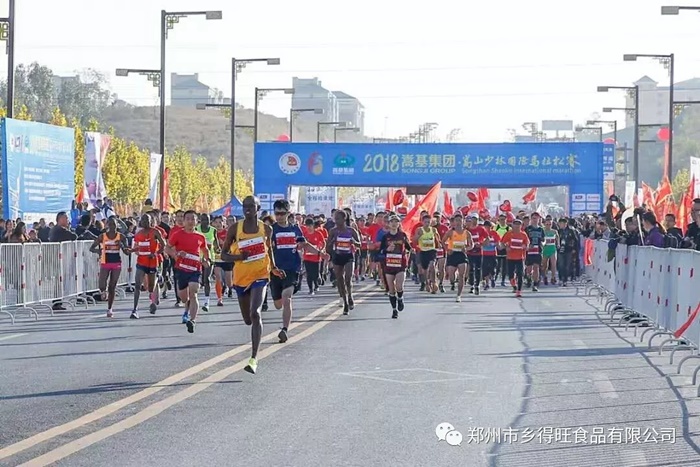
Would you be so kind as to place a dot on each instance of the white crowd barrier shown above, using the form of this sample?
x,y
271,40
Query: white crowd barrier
x,y
659,287
38,276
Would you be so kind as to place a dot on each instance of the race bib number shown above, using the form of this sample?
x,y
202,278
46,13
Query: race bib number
x,y
343,245
285,240
516,244
255,247
440,253
458,245
394,260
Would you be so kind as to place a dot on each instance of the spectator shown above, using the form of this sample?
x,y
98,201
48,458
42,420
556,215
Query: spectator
x,y
147,205
83,230
33,238
671,229
19,234
2,228
692,231
9,228
601,231
75,213
43,231
631,235
60,232
654,235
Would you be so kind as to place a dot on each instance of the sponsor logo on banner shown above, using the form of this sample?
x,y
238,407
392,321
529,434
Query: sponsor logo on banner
x,y
343,165
593,198
263,196
578,197
277,196
315,164
290,163
578,206
593,207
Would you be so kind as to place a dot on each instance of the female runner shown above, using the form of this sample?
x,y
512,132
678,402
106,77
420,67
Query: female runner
x,y
341,245
395,247
109,246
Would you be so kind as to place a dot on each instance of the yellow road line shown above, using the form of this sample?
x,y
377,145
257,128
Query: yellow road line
x,y
115,406
158,407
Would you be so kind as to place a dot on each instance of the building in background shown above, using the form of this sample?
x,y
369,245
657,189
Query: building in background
x,y
350,110
653,100
188,91
337,106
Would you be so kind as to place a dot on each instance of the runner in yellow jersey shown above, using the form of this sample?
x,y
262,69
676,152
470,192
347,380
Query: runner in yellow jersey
x,y
249,246
209,232
426,237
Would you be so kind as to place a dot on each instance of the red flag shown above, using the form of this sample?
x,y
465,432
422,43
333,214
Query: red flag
x,y
428,203
389,198
448,209
530,196
685,205
648,196
663,192
484,193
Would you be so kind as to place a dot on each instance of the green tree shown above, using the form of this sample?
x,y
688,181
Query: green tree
x,y
79,156
57,118
23,113
680,182
123,172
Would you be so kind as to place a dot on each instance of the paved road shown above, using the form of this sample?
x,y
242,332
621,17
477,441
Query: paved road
x,y
363,390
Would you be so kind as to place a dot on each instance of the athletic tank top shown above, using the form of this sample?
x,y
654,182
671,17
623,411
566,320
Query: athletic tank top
x,y
209,236
426,240
550,243
457,241
257,265
145,245
344,243
111,249
501,230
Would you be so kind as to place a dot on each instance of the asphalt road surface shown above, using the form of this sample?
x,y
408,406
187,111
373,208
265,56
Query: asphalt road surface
x,y
543,380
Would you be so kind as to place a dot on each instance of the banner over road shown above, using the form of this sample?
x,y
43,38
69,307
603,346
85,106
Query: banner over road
x,y
506,165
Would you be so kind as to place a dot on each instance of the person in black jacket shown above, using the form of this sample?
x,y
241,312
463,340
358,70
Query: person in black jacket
x,y
692,231
61,231
671,229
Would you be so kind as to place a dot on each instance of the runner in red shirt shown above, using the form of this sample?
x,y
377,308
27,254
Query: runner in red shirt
x,y
148,246
517,243
312,261
189,249
179,222
480,237
442,229
362,265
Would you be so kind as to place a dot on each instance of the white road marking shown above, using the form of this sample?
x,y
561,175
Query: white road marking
x,y
12,336
604,386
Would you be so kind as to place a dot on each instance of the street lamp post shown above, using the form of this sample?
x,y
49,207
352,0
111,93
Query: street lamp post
x,y
259,94
633,91
667,60
336,130
612,123
320,124
7,33
293,112
168,20
237,66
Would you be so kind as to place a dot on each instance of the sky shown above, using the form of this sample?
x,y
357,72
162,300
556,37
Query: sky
x,y
481,67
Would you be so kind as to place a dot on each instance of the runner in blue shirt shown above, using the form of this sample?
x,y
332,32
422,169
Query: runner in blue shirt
x,y
287,242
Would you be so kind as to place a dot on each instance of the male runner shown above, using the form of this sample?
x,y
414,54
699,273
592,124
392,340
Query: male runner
x,y
287,241
501,228
209,234
479,237
516,242
533,262
249,245
148,246
179,223
189,249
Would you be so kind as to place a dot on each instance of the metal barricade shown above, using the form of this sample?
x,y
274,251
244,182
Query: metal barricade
x,y
12,280
89,270
51,274
33,259
69,274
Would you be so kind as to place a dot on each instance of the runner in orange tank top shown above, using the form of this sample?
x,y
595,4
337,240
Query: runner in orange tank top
x,y
249,246
148,245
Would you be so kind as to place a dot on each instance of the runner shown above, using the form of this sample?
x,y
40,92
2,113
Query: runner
x,y
457,242
167,263
549,252
442,229
211,237
342,239
426,239
516,242
379,232
362,263
179,223
313,261
395,247
479,237
109,246
488,265
287,241
533,262
188,247
501,228
223,270
148,246
249,246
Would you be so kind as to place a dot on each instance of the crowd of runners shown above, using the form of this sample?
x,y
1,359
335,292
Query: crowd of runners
x,y
262,256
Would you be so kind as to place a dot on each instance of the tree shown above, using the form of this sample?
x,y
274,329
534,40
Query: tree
x,y
123,171
244,183
23,113
57,118
86,96
79,156
680,183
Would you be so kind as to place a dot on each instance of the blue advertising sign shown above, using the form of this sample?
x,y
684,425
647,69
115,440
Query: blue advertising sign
x,y
507,165
609,162
38,167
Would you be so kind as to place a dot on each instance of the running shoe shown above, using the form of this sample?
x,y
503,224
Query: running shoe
x,y
442,288
205,307
110,314
185,317
476,290
351,304
395,314
346,310
283,336
252,366
134,315
459,298
399,304
518,293
152,308
190,326
220,303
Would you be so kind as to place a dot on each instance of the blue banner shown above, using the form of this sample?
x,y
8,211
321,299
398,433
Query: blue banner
x,y
507,165
38,170
609,162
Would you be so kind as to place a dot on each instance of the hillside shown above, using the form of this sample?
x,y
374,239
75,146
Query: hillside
x,y
205,132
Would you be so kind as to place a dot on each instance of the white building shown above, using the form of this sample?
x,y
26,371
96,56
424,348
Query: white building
x,y
188,91
653,100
